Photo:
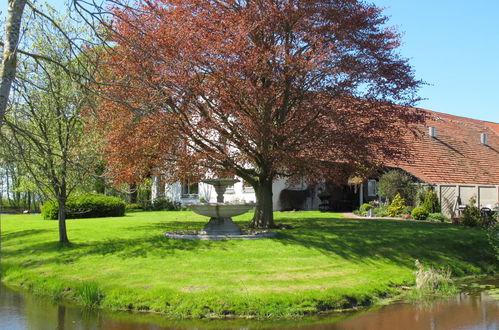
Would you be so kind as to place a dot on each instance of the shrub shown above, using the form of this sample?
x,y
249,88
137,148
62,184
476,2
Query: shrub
x,y
408,210
396,207
488,219
86,206
431,202
470,216
420,213
163,204
160,204
379,211
364,208
437,217
396,182
133,207
493,238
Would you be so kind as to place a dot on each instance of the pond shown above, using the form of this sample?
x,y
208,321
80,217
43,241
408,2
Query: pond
x,y
471,309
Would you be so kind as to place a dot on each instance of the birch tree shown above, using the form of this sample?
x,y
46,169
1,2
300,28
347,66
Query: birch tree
x,y
9,56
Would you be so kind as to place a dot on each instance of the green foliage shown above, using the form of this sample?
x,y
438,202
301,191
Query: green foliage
x,y
489,219
431,202
89,294
471,216
493,238
396,206
86,206
380,210
396,182
437,217
160,204
408,210
420,213
133,207
364,208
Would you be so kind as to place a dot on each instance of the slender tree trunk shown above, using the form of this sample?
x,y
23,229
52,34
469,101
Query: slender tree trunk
x,y
9,58
63,235
29,201
8,184
264,216
62,199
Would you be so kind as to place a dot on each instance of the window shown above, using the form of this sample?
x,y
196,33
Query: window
x,y
371,188
190,190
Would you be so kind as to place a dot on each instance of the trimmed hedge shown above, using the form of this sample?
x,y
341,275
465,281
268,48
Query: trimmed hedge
x,y
86,206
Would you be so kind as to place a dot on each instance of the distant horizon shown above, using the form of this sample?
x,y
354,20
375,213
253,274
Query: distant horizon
x,y
452,45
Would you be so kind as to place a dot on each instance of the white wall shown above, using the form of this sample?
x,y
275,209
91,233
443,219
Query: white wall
x,y
238,193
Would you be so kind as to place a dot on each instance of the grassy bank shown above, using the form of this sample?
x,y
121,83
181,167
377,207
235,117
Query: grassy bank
x,y
324,262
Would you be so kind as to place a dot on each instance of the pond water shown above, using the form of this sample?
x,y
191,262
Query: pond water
x,y
468,310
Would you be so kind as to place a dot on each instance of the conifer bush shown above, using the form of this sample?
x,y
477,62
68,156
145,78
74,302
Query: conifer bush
x,y
431,202
396,207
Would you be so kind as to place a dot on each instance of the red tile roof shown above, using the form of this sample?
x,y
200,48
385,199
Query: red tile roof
x,y
455,155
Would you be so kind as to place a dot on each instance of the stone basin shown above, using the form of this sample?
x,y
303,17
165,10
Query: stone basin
x,y
220,210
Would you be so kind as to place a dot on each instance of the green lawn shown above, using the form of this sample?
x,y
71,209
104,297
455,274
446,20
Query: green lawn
x,y
324,262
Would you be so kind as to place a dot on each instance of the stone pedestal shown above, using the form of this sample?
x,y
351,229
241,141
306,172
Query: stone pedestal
x,y
221,226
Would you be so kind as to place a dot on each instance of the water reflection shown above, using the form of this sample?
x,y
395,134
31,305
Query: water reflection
x,y
476,311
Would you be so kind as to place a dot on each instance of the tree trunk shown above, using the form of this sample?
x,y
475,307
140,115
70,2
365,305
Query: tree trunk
x,y
63,236
9,58
28,201
264,216
134,191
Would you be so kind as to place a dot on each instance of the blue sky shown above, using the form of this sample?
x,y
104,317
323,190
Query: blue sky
x,y
453,45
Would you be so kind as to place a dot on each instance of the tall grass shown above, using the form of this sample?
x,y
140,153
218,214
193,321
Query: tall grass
x,y
90,294
432,282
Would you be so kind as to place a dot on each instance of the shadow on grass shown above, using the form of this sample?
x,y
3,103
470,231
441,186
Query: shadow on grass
x,y
155,244
365,241
23,233
400,242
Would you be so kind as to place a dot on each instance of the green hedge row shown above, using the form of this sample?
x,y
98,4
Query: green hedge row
x,y
86,206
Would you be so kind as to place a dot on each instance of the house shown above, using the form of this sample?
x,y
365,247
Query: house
x,y
457,156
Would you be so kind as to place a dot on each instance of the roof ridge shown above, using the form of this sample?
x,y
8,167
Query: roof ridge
x,y
456,116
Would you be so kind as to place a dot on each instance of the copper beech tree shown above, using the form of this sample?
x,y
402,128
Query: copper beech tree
x,y
258,89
